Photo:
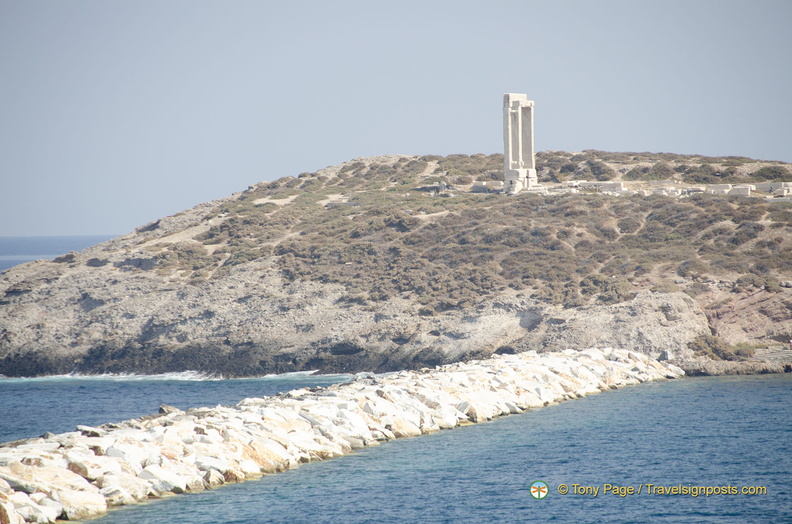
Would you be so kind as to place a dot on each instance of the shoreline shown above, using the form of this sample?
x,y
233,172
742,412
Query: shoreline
x,y
80,474
693,367
765,361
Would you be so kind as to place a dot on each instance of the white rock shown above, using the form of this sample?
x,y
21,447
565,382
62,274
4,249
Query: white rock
x,y
250,469
513,407
79,505
132,455
9,515
46,479
402,427
117,496
20,505
19,498
355,442
33,513
91,468
213,478
355,423
448,417
98,445
47,507
124,486
38,446
164,480
205,463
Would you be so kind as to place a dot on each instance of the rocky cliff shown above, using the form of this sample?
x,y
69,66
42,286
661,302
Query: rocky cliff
x,y
375,265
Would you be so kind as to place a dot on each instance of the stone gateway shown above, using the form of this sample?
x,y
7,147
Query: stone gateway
x,y
519,165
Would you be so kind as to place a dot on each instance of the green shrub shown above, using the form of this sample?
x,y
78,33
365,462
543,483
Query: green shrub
x,y
697,288
600,170
745,232
660,171
778,173
703,174
568,168
748,281
692,269
628,225
636,173
607,232
717,349
665,287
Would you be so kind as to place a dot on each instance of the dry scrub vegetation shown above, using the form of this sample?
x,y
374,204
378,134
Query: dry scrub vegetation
x,y
558,166
389,236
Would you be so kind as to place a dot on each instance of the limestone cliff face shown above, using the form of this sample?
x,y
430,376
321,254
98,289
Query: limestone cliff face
x,y
658,324
355,267
60,317
748,315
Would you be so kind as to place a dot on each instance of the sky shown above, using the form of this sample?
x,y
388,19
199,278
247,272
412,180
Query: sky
x,y
114,114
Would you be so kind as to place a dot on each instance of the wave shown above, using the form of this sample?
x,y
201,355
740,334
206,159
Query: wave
x,y
191,376
298,376
180,376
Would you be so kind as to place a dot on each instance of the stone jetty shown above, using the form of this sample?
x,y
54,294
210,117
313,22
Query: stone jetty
x,y
80,474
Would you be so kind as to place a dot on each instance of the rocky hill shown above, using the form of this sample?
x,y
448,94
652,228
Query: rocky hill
x,y
392,262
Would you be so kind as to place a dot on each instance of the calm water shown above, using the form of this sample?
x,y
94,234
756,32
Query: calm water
x,y
30,407
703,431
18,250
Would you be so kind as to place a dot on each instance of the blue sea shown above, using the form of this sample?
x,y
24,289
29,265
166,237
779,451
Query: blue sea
x,y
733,432
715,431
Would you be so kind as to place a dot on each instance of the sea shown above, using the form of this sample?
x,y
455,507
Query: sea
x,y
698,450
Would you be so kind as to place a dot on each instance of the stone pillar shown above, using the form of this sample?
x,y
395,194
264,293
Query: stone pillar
x,y
519,166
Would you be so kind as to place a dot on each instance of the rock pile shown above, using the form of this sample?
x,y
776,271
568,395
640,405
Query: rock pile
x,y
78,475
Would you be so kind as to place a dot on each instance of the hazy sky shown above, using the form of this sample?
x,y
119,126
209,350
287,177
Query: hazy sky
x,y
113,114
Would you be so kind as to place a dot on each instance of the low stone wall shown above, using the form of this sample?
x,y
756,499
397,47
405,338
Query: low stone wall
x,y
79,475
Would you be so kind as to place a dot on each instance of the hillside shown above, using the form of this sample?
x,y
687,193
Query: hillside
x,y
371,265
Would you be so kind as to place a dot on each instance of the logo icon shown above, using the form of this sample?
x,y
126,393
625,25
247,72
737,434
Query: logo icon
x,y
539,490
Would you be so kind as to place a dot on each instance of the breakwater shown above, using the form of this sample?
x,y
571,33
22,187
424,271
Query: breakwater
x,y
80,474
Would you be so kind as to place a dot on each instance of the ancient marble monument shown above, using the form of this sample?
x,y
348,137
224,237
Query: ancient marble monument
x,y
519,166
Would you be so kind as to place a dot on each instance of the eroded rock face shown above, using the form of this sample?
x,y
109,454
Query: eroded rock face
x,y
78,475
750,314
703,366
657,324
253,321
